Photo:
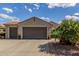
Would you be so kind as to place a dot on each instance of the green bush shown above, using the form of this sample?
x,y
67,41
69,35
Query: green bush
x,y
68,31
56,33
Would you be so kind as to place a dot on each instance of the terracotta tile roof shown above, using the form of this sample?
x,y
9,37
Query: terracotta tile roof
x,y
12,23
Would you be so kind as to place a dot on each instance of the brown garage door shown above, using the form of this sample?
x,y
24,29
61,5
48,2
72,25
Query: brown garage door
x,y
13,32
34,32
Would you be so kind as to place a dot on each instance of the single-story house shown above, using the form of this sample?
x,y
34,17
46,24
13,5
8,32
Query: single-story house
x,y
55,25
32,28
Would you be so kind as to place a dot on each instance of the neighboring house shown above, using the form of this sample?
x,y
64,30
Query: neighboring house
x,y
55,25
2,31
32,28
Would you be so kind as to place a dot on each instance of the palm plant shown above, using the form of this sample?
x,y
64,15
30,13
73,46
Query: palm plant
x,y
68,31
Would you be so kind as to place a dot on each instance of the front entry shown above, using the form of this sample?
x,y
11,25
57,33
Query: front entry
x,y
13,33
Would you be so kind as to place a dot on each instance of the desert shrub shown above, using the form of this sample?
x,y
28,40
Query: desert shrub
x,y
68,31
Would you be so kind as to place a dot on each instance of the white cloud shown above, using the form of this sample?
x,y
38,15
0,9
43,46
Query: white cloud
x,y
7,17
63,5
71,17
16,19
30,10
37,6
77,14
74,16
25,7
45,18
59,22
8,10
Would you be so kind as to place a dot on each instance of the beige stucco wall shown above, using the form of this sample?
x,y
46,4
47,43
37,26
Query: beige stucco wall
x,y
32,23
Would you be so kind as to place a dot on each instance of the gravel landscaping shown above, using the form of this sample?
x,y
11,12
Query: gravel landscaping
x,y
57,49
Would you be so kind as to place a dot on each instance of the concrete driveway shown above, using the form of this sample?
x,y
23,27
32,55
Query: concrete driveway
x,y
23,47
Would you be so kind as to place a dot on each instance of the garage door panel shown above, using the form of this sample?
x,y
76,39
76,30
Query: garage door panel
x,y
34,32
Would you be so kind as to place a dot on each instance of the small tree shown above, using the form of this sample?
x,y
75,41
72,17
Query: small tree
x,y
68,31
55,33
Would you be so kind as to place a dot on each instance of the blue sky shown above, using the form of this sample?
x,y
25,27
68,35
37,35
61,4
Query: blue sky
x,y
48,11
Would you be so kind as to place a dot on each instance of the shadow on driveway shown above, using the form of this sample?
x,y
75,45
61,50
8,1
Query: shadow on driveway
x,y
59,50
